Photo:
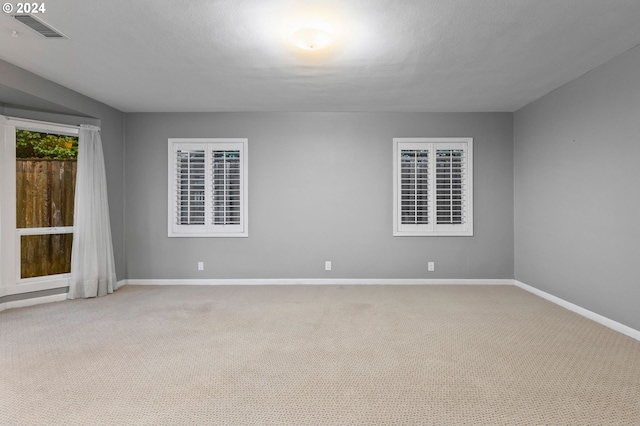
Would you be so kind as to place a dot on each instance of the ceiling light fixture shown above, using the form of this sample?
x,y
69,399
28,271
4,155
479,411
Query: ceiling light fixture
x,y
311,38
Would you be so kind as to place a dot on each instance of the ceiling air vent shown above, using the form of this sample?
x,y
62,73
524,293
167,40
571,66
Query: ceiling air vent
x,y
39,26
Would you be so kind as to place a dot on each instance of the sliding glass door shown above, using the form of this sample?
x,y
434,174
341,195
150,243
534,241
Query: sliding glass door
x,y
38,201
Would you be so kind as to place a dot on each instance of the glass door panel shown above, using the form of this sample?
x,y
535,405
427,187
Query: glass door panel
x,y
42,255
45,192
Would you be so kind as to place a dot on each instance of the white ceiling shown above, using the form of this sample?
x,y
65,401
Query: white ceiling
x,y
389,55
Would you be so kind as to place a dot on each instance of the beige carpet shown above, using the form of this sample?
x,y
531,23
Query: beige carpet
x,y
314,355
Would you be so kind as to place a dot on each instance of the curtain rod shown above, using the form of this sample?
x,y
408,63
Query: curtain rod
x,y
47,123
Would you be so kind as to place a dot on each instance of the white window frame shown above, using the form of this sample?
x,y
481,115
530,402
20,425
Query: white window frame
x,y
10,271
432,228
208,229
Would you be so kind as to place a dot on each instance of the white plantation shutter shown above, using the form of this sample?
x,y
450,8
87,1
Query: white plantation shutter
x,y
450,185
226,187
433,186
190,186
207,188
414,187
226,190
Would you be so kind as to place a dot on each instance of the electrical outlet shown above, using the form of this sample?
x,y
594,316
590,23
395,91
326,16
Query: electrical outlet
x,y
200,266
327,265
431,266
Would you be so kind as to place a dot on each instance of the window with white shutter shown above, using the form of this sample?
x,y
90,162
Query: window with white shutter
x,y
432,188
207,188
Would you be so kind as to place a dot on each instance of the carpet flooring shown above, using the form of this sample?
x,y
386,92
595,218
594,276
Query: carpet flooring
x,y
314,355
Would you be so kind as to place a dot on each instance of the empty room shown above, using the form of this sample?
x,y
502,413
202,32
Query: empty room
x,y
311,212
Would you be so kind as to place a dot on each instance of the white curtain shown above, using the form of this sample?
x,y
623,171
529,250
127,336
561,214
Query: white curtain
x,y
93,270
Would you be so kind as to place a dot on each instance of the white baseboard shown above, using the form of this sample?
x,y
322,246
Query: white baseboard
x,y
33,301
38,300
614,325
30,287
317,281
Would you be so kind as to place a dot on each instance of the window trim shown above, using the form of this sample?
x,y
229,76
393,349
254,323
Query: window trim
x,y
207,230
432,229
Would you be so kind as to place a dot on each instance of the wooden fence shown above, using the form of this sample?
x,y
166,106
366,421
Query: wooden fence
x,y
45,191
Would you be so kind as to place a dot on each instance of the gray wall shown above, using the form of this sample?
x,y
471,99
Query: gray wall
x,y
320,188
577,209
27,95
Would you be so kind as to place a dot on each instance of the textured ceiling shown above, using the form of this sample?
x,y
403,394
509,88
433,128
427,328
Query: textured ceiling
x,y
389,55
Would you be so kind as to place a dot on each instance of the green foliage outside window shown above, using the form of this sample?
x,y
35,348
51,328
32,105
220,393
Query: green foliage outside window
x,y
42,145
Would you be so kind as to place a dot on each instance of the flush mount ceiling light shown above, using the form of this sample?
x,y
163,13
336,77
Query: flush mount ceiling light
x,y
311,38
